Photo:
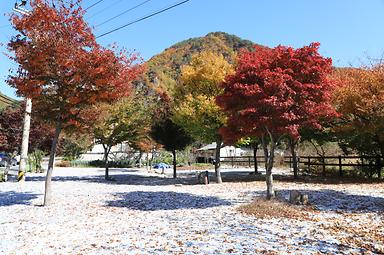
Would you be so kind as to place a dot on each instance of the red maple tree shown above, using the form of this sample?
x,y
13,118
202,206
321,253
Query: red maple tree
x,y
63,69
274,93
11,130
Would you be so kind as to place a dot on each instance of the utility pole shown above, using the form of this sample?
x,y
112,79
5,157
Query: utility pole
x,y
25,141
27,116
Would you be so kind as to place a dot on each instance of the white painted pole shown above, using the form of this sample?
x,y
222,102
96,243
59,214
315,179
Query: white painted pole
x,y
25,141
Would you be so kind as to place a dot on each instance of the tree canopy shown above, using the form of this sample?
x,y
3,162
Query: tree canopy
x,y
63,69
166,132
276,92
360,100
280,89
195,106
127,120
11,131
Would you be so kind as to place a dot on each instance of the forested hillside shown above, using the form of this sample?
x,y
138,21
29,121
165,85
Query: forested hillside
x,y
164,68
5,101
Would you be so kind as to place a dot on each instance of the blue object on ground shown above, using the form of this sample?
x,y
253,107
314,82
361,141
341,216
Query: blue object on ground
x,y
161,166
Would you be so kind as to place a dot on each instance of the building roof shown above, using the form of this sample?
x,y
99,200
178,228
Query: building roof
x,y
208,147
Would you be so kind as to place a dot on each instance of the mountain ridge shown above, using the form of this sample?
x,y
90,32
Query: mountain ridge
x,y
164,68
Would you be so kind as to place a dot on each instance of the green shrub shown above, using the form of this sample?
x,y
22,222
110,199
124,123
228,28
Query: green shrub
x,y
125,163
182,157
3,175
34,161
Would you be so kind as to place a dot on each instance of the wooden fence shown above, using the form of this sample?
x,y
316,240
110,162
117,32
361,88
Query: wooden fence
x,y
369,164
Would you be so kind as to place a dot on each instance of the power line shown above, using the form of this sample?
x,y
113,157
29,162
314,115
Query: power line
x,y
143,18
93,5
104,9
124,12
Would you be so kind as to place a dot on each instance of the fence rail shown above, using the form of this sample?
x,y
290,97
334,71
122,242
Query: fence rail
x,y
373,164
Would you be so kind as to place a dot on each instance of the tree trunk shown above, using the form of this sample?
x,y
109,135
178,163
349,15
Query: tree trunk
x,y
269,155
37,164
255,147
30,163
140,155
107,149
8,164
265,150
217,161
381,145
174,163
147,161
293,147
51,163
152,157
25,140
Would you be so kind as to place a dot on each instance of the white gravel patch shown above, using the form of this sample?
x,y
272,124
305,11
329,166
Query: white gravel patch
x,y
142,213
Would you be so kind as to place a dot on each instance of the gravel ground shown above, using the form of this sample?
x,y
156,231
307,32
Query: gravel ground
x,y
146,213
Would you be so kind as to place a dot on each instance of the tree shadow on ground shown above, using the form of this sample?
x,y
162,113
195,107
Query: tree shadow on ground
x,y
249,176
337,201
155,201
136,177
121,179
10,198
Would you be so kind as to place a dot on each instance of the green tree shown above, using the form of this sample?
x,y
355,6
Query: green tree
x,y
172,137
167,133
74,144
128,120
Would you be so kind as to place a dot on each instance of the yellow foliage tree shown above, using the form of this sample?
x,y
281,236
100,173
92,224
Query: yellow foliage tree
x,y
195,99
361,102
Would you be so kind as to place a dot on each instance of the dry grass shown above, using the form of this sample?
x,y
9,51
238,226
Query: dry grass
x,y
367,236
275,208
63,163
196,168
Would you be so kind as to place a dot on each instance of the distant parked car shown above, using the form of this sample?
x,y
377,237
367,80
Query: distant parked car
x,y
161,166
4,159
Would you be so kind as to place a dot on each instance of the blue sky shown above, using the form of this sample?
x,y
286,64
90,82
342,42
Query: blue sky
x,y
348,30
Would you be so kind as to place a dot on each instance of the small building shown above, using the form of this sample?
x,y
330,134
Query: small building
x,y
97,152
206,154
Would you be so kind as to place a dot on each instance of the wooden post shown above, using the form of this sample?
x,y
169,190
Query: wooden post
x,y
323,159
370,169
378,166
232,162
298,164
362,165
249,161
340,167
309,164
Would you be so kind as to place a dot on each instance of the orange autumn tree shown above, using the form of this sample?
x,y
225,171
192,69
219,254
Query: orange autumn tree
x,y
63,69
360,100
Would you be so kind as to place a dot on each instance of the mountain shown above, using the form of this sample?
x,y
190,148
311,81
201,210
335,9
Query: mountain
x,y
6,101
164,68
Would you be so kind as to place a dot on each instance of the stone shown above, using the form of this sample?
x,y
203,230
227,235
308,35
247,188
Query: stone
x,y
294,197
203,178
298,198
304,200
